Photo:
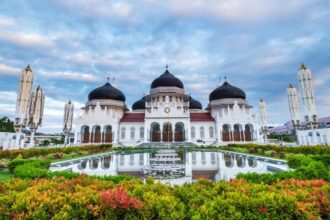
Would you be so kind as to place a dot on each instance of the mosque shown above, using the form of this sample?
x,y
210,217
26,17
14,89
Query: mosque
x,y
167,116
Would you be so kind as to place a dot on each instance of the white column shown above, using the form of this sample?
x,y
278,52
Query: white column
x,y
188,169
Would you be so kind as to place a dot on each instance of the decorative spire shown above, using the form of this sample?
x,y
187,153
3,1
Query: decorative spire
x,y
28,68
113,80
225,78
261,100
290,86
303,67
166,66
108,78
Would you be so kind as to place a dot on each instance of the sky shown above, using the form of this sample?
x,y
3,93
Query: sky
x,y
73,46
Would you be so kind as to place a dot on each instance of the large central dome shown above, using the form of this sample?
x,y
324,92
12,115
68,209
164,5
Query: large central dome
x,y
227,91
107,91
167,79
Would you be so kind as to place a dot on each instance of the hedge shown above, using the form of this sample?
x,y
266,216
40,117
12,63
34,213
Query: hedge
x,y
86,198
306,150
35,152
306,168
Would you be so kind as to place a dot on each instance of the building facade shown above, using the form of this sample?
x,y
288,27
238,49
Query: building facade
x,y
167,116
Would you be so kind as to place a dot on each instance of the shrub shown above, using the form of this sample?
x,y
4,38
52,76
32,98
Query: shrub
x,y
35,152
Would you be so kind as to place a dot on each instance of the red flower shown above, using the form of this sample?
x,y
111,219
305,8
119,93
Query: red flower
x,y
262,209
119,199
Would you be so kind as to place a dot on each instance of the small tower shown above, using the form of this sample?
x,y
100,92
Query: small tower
x,y
68,118
262,118
293,106
307,90
36,112
23,102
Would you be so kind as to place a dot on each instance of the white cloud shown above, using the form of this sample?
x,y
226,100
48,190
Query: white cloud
x,y
7,22
26,40
70,75
99,8
9,70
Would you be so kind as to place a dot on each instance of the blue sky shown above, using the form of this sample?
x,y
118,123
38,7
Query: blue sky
x,y
73,46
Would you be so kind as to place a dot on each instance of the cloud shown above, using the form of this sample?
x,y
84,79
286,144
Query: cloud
x,y
69,75
26,40
7,22
9,70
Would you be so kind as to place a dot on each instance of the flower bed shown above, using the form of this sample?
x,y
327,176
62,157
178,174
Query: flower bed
x,y
86,198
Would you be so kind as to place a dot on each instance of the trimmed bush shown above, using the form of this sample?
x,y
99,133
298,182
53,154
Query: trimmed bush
x,y
35,152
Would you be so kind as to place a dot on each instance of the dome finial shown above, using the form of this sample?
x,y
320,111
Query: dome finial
x,y
225,78
303,67
166,66
108,78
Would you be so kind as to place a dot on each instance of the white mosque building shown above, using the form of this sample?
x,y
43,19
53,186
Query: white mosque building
x,y
167,116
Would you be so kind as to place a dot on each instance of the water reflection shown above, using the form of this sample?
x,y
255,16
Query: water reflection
x,y
175,167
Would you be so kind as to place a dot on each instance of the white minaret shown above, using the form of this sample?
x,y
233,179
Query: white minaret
x,y
307,90
36,112
293,105
68,117
23,102
263,115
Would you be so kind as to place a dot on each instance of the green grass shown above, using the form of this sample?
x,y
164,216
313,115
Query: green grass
x,y
5,175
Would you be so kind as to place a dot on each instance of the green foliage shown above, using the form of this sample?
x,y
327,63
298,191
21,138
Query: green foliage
x,y
306,168
283,137
28,153
6,125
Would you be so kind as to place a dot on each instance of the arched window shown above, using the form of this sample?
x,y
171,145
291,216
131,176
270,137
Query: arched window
x,y
211,132
132,132
201,132
123,133
142,132
193,132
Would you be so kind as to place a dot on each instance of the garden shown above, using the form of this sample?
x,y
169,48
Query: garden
x,y
29,191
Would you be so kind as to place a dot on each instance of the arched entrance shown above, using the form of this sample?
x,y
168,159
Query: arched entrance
x,y
226,133
248,132
237,132
179,134
107,134
96,134
85,134
167,132
155,132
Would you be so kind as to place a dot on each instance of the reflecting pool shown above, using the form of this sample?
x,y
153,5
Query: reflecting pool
x,y
172,166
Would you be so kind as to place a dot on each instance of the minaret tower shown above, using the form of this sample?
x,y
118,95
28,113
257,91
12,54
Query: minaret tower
x,y
263,115
307,90
68,117
36,112
293,106
23,102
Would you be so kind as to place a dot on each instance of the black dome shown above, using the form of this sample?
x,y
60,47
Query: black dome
x,y
167,79
107,91
140,104
194,104
227,91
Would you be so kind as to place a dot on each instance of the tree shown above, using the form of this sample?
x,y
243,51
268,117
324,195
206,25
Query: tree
x,y
6,125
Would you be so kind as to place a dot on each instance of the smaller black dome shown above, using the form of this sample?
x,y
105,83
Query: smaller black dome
x,y
227,91
167,79
194,104
107,91
140,104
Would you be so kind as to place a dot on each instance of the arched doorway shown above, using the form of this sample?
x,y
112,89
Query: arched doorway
x,y
179,134
167,132
85,134
237,132
97,134
226,133
248,132
155,132
107,136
